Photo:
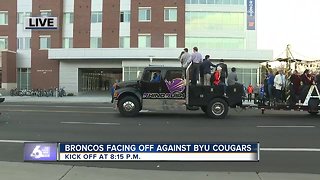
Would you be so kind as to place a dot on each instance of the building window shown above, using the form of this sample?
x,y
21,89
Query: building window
x,y
95,42
125,16
45,42
144,40
131,73
23,43
21,17
96,16
144,14
247,76
68,18
208,21
27,43
45,13
67,43
3,17
170,40
170,14
216,42
227,2
20,43
3,42
124,42
24,78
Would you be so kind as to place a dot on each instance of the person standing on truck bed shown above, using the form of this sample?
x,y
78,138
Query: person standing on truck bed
x,y
196,59
279,82
185,58
270,82
224,71
307,80
216,76
205,70
295,83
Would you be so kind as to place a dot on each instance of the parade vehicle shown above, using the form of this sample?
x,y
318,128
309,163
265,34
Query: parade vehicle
x,y
308,98
168,89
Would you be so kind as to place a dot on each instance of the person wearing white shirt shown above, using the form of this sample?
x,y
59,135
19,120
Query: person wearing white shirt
x,y
279,83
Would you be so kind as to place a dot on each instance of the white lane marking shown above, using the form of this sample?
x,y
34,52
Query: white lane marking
x,y
16,141
286,126
91,123
49,111
292,149
89,107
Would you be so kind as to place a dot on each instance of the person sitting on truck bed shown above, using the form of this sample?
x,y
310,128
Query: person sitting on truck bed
x,y
232,77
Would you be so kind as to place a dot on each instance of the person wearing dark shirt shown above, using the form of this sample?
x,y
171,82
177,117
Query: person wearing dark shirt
x,y
306,78
205,71
307,81
270,85
295,86
224,71
201,70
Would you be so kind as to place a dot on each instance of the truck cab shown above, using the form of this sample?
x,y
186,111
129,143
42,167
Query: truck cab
x,y
168,89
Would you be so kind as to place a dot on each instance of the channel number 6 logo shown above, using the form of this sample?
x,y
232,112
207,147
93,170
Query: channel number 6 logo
x,y
37,153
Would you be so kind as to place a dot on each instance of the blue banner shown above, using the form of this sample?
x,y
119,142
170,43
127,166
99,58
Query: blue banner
x,y
251,15
40,151
157,148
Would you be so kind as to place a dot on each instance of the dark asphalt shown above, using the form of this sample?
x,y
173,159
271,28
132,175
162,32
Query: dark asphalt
x,y
43,122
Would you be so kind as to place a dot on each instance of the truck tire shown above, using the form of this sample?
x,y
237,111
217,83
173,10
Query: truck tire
x,y
217,108
313,106
129,106
313,113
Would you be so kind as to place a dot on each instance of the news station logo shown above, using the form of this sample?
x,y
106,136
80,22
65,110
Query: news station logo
x,y
40,151
41,23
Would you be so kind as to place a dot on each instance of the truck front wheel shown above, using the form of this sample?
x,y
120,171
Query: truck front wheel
x,y
217,109
129,106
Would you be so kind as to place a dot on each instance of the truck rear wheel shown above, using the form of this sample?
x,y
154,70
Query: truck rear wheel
x,y
313,112
217,109
129,106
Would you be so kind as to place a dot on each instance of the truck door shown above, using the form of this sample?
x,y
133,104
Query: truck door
x,y
152,86
152,81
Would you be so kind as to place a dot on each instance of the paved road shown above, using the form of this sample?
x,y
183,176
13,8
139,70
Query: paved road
x,y
99,123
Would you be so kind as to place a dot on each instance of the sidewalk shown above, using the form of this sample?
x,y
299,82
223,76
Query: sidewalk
x,y
66,99
37,171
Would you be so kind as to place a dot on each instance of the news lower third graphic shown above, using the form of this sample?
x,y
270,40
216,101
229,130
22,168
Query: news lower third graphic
x,y
141,152
40,151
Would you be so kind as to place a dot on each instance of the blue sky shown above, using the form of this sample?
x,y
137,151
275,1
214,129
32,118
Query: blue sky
x,y
294,22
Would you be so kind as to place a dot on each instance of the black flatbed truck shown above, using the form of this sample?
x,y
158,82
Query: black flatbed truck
x,y
172,91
